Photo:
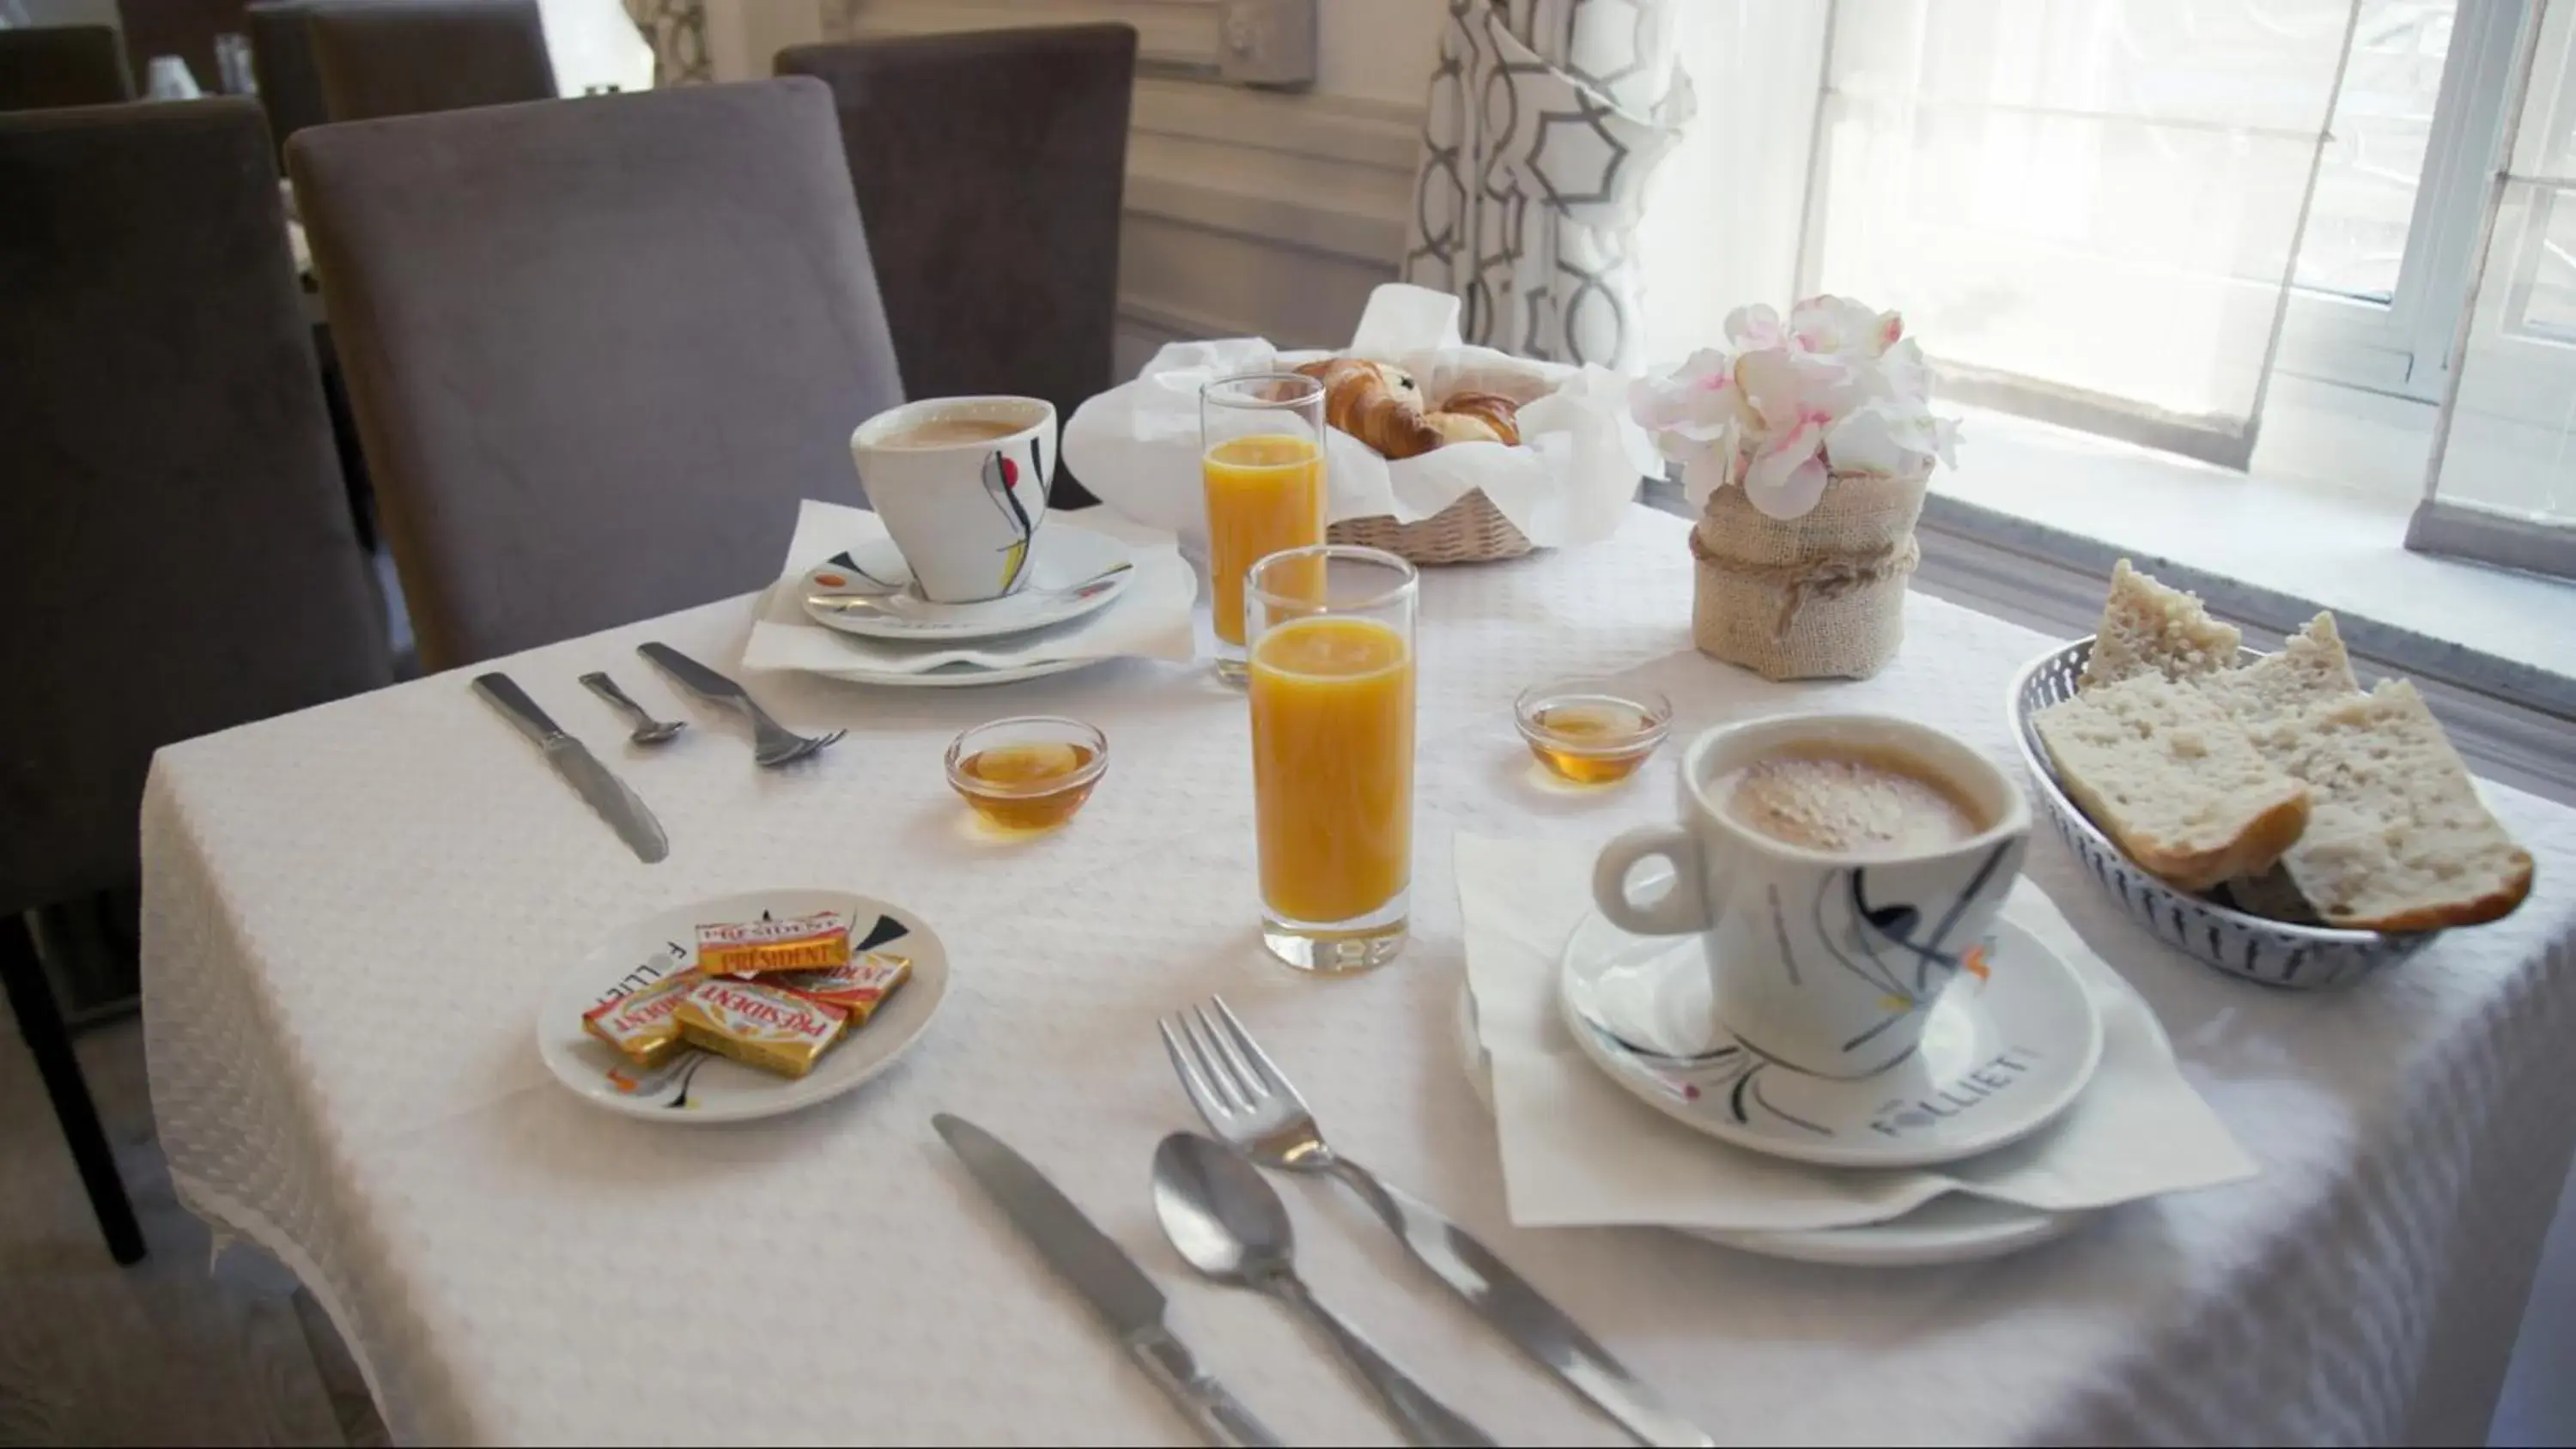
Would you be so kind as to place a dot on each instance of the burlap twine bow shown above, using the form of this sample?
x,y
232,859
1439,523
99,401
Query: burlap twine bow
x,y
1812,597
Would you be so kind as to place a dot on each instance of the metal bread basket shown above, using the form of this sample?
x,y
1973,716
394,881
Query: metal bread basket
x,y
2275,953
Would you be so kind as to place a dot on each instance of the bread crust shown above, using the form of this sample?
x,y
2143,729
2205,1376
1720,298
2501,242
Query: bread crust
x,y
2493,906
2253,851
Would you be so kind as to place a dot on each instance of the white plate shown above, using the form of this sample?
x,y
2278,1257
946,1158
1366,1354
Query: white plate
x,y
1954,1228
700,1087
962,676
1059,559
2006,1050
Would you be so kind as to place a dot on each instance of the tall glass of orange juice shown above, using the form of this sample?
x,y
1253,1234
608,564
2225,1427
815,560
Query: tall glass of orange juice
x,y
1332,753
1261,436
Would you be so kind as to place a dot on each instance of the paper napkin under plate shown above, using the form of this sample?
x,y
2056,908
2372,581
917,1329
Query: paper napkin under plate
x,y
1151,618
1577,1150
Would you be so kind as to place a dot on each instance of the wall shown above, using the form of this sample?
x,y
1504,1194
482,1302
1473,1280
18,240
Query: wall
x,y
1247,212
58,12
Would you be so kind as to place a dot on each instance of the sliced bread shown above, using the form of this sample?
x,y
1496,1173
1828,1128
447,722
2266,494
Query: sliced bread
x,y
2148,628
2310,668
2172,780
2397,839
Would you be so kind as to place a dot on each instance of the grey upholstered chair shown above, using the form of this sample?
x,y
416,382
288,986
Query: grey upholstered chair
x,y
990,167
599,348
45,66
281,56
175,553
407,57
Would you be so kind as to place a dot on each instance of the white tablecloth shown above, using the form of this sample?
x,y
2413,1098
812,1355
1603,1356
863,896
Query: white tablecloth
x,y
351,913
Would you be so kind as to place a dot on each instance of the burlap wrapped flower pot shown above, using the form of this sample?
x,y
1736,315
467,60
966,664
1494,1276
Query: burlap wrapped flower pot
x,y
1817,597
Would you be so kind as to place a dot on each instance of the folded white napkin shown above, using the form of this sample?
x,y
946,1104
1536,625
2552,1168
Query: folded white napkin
x,y
1151,618
1578,1150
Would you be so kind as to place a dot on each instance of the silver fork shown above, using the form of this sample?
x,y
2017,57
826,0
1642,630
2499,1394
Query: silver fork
x,y
1247,1100
773,744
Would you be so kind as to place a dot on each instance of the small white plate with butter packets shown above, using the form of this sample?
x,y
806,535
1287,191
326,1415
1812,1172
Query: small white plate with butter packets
x,y
630,987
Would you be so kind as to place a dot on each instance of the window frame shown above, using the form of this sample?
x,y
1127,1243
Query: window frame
x,y
2403,347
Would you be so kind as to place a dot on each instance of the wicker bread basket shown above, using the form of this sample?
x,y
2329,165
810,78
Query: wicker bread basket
x,y
1470,530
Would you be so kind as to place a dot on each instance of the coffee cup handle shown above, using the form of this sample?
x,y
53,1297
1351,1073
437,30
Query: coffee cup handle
x,y
1683,909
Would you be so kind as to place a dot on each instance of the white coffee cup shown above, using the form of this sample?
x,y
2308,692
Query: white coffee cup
x,y
1829,963
963,513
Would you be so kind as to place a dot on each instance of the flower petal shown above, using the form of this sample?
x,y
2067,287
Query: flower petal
x,y
1867,441
1706,473
1784,385
1787,475
1907,375
1754,326
1833,325
1697,396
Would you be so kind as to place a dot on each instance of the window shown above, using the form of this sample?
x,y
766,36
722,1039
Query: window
x,y
2401,189
2153,219
2088,209
2504,477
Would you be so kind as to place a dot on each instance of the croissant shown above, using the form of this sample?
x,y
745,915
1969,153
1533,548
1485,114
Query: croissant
x,y
1382,406
1478,417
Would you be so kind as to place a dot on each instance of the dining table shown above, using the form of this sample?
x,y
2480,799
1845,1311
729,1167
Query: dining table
x,y
352,914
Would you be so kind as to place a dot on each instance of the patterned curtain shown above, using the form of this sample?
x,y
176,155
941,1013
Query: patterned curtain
x,y
677,31
1545,119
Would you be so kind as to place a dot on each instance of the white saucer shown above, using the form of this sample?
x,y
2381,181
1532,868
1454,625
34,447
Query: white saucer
x,y
1059,558
697,1086
1953,1228
2006,1050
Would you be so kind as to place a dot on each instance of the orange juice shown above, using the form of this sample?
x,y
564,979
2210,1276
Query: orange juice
x,y
1265,492
1332,766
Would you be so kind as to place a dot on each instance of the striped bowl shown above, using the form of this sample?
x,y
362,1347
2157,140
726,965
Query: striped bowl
x,y
2275,953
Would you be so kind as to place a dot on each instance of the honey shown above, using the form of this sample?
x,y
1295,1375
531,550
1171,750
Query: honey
x,y
1028,786
1589,733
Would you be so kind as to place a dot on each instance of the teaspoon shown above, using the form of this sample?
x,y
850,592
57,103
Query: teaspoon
x,y
1228,1221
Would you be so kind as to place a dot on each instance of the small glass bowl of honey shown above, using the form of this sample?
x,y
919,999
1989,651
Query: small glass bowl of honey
x,y
1592,731
1027,774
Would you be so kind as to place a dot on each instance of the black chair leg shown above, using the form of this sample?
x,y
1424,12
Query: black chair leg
x,y
40,1021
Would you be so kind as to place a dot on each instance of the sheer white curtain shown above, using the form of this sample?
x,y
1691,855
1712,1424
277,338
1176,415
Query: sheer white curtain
x,y
2088,210
2503,484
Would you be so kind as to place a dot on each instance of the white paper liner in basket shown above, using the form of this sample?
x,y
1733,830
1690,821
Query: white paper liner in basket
x,y
1136,446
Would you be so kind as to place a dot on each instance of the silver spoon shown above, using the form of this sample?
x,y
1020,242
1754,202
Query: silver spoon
x,y
876,603
648,730
1225,1218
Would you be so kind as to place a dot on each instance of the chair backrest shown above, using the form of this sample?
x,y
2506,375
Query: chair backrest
x,y
990,167
408,57
176,554
598,348
45,66
281,56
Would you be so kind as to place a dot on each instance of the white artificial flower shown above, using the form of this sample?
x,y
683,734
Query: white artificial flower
x,y
1837,388
1838,324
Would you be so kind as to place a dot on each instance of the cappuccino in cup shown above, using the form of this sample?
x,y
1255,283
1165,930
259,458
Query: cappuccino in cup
x,y
1838,870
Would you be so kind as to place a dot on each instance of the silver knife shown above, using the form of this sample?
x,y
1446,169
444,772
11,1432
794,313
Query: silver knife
x,y
580,769
1506,1299
1126,1299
